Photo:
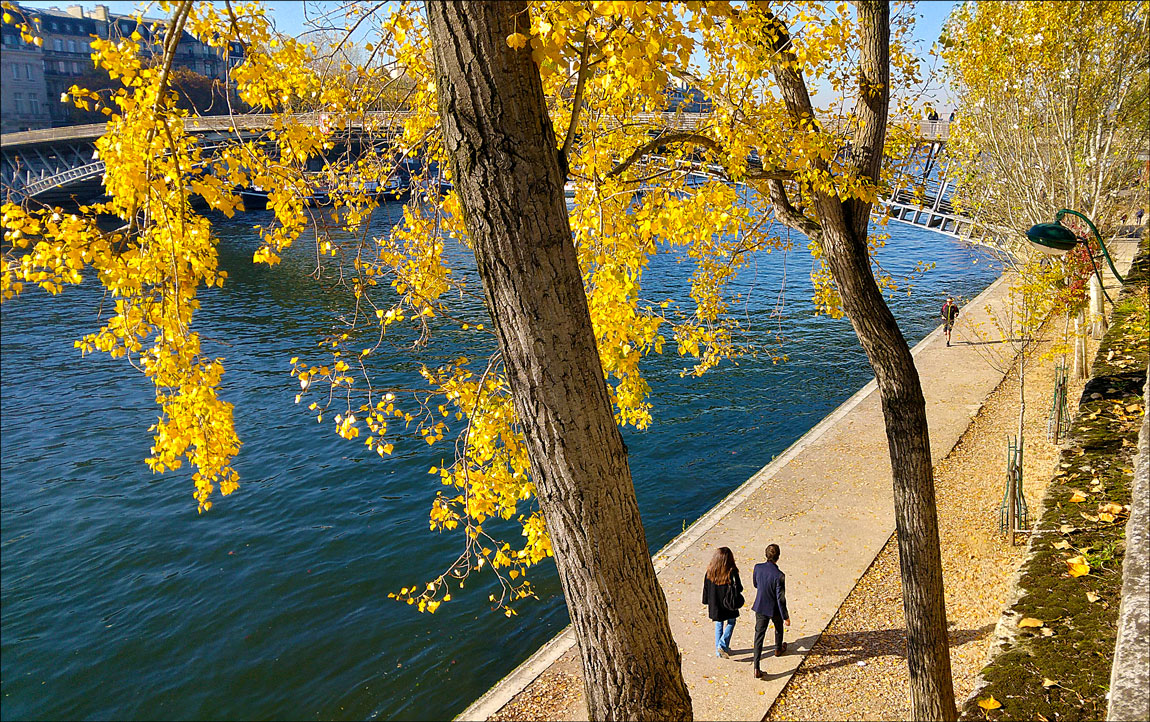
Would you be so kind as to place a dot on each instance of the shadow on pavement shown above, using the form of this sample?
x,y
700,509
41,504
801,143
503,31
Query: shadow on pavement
x,y
840,650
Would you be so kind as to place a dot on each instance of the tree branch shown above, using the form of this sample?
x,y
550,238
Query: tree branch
x,y
577,100
789,215
696,139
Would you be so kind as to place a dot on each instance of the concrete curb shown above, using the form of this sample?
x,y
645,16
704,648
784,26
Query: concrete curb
x,y
1130,674
526,673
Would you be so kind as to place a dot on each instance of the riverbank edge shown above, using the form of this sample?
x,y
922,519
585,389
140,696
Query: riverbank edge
x,y
527,672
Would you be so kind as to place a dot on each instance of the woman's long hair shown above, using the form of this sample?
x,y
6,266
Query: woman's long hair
x,y
722,567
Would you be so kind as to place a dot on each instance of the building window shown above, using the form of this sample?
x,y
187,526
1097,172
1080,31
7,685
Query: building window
x,y
61,67
75,68
15,70
71,46
34,105
18,99
28,70
57,43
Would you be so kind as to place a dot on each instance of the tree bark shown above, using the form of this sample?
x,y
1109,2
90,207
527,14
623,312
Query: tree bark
x,y
507,173
842,231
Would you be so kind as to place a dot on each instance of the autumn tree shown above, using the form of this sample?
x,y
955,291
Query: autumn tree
x,y
1054,111
507,168
199,94
839,196
646,179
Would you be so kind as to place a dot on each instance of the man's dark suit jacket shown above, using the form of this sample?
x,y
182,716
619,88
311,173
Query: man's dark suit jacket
x,y
771,601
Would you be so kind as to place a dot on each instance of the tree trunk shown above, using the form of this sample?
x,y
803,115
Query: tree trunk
x,y
507,173
1080,345
904,408
916,520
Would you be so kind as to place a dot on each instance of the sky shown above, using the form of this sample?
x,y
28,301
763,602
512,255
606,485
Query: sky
x,y
291,16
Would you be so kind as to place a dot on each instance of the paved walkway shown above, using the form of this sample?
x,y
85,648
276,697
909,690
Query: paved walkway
x,y
827,501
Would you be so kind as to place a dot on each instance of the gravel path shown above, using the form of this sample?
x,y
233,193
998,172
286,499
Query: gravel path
x,y
857,670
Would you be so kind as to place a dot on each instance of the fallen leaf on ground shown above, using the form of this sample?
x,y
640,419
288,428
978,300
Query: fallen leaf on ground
x,y
1106,517
1066,528
1047,682
1031,622
989,703
1110,508
1077,497
1062,544
1047,632
1092,597
1088,517
1077,566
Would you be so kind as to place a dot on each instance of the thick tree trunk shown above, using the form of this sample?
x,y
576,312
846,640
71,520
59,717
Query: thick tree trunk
x,y
506,171
904,408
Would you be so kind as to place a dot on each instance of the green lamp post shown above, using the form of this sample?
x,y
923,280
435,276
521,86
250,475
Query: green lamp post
x,y
1055,239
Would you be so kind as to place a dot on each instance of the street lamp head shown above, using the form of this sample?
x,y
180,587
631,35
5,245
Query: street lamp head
x,y
1053,239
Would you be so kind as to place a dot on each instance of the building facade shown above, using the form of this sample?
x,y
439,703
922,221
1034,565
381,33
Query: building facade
x,y
35,77
23,97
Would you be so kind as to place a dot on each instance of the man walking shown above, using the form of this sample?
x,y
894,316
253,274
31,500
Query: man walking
x,y
770,604
949,314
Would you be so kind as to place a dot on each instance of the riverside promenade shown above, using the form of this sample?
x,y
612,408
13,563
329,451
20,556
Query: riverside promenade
x,y
827,501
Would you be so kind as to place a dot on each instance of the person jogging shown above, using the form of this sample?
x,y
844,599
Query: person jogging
x,y
949,314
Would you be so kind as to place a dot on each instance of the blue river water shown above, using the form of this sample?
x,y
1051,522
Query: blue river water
x,y
121,602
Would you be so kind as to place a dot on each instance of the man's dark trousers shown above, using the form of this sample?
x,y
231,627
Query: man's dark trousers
x,y
770,605
761,622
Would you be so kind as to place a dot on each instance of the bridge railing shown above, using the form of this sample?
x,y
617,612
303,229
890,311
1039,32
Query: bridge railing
x,y
932,130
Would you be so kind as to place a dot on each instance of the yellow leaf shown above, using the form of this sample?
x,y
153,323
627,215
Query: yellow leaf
x,y
1077,566
1062,544
516,40
1048,683
1110,508
1077,497
1031,622
989,703
1092,597
1106,517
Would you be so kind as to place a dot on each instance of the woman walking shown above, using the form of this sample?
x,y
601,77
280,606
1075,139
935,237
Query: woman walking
x,y
723,595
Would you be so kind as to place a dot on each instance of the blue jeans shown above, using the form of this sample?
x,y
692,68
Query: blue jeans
x,y
723,631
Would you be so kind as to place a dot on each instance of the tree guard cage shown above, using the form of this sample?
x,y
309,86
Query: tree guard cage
x,y
1013,515
1058,422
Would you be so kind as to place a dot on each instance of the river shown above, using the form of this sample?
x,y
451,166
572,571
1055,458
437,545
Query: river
x,y
121,602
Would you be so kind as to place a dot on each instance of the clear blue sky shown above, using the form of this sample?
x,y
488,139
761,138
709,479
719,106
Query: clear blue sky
x,y
291,17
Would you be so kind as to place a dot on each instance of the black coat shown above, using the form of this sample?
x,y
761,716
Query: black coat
x,y
715,596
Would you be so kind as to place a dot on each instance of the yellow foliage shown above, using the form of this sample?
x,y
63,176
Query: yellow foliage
x,y
701,198
1077,566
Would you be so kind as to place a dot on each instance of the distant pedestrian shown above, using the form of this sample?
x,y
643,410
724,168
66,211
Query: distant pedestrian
x,y
723,595
952,116
949,314
1138,216
770,604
